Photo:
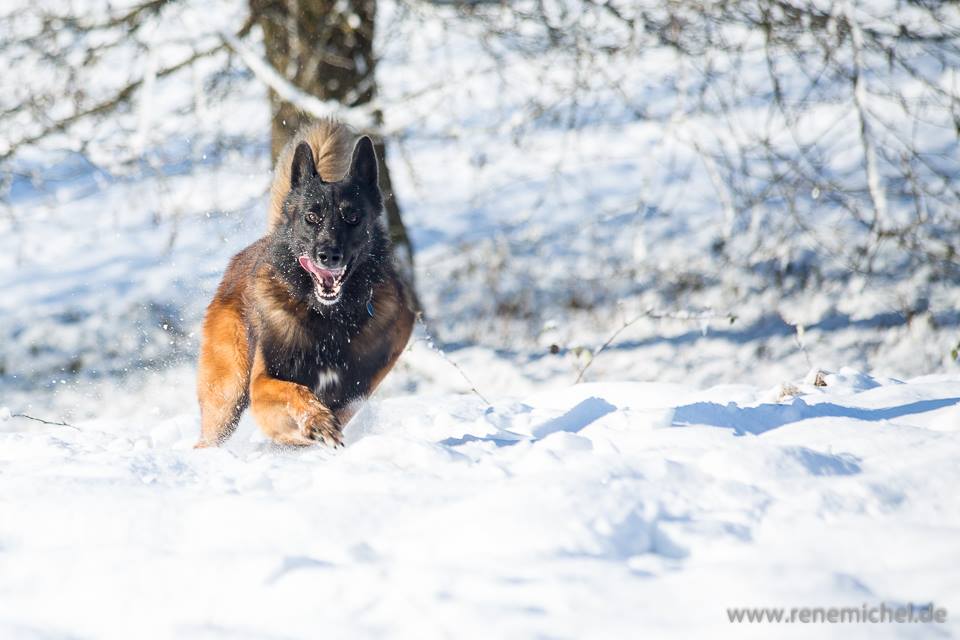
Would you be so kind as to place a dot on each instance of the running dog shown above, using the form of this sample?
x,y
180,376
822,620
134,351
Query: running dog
x,y
310,318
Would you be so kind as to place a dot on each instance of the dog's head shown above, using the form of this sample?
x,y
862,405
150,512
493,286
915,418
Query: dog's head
x,y
330,227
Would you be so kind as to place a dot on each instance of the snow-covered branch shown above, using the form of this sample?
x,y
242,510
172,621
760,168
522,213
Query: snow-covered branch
x,y
360,118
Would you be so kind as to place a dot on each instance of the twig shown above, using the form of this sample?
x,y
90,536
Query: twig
x,y
463,374
50,422
655,315
798,336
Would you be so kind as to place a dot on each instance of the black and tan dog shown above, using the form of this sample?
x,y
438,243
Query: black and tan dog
x,y
310,318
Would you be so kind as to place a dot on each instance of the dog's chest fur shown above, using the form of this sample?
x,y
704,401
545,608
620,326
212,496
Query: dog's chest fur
x,y
335,355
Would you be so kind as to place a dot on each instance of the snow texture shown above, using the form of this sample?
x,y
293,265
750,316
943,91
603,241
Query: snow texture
x,y
591,511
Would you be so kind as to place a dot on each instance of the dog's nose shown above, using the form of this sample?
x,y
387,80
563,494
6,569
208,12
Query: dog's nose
x,y
330,257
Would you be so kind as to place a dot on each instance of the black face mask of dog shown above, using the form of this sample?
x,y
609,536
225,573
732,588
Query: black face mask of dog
x,y
331,227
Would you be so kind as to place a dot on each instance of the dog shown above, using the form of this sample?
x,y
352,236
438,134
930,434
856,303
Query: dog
x,y
309,319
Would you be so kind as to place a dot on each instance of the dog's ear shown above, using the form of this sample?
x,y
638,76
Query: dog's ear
x,y
363,166
303,166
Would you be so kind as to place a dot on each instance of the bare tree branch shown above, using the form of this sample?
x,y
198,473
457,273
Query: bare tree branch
x,y
106,106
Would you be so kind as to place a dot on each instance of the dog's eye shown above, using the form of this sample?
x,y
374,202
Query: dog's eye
x,y
351,216
313,218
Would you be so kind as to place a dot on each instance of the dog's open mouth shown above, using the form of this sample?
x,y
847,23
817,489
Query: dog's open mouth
x,y
327,282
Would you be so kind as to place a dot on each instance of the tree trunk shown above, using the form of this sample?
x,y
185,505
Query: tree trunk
x,y
325,47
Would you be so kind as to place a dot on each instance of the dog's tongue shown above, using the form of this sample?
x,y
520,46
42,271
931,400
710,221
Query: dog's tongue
x,y
327,277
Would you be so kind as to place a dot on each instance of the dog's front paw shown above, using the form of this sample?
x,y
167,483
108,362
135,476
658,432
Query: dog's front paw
x,y
318,424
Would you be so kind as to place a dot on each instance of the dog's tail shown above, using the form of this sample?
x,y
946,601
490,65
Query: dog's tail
x,y
332,144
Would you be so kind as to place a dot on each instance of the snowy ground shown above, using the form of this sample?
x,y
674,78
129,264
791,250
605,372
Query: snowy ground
x,y
602,510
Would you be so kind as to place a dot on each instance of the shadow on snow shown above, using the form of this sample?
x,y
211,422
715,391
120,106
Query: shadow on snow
x,y
762,418
573,420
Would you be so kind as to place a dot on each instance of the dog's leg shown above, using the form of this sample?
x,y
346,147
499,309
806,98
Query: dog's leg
x,y
223,373
399,335
397,338
289,413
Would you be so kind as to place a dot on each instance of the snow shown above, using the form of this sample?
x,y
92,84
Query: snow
x,y
585,511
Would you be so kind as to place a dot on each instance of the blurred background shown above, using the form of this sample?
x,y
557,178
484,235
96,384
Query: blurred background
x,y
702,192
